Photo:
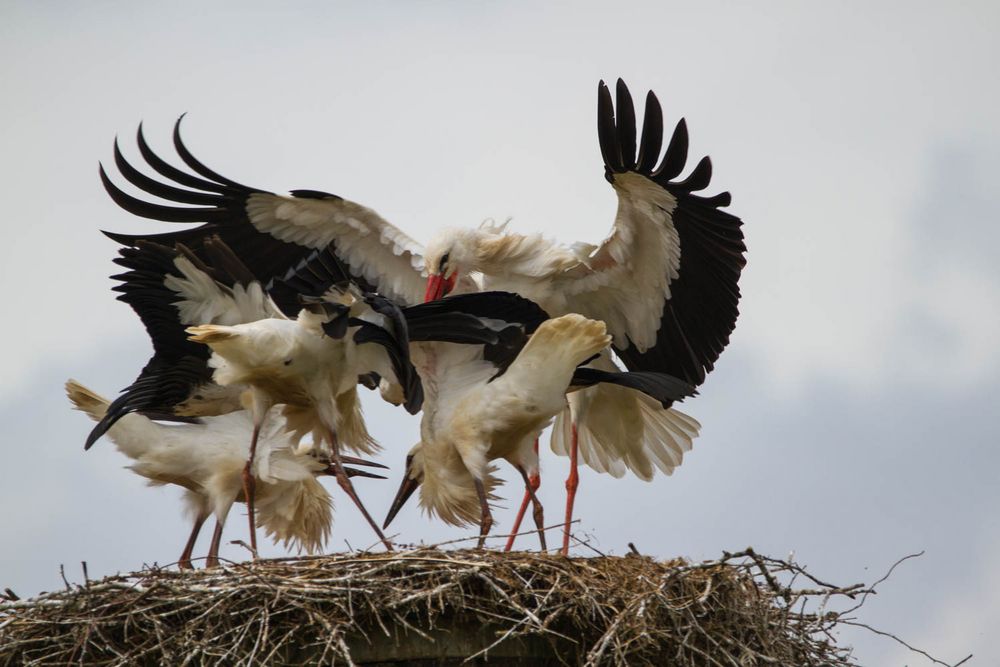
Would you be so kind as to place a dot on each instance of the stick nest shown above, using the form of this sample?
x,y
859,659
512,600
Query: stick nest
x,y
516,608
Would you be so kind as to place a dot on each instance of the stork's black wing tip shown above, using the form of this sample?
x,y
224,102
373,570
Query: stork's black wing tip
x,y
123,239
94,436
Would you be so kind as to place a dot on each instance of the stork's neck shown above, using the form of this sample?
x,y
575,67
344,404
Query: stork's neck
x,y
530,256
447,489
541,291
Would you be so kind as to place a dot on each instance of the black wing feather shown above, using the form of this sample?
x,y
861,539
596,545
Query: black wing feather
x,y
652,135
178,366
313,275
701,312
163,190
452,328
399,356
502,306
625,125
662,387
219,203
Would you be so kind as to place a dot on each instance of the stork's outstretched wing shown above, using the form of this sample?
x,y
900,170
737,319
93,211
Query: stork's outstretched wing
x,y
170,289
665,280
270,233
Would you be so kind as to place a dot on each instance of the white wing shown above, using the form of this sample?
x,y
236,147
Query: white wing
x,y
369,246
203,300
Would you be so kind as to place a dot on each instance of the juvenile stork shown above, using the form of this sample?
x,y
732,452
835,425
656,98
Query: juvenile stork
x,y
665,281
207,461
488,405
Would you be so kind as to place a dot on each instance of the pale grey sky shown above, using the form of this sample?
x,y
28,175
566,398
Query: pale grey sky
x,y
851,420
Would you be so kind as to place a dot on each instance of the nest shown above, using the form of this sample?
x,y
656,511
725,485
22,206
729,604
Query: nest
x,y
434,607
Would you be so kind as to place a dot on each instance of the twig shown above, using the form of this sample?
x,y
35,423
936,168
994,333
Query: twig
x,y
871,589
883,633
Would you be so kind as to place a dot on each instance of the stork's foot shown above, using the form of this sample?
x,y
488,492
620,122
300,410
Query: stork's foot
x,y
213,551
572,483
485,518
249,489
184,562
534,481
540,523
531,484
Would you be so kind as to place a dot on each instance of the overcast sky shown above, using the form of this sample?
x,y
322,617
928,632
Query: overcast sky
x,y
851,421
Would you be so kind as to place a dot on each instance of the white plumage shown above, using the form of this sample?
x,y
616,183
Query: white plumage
x,y
472,418
665,280
378,251
292,362
207,460
314,375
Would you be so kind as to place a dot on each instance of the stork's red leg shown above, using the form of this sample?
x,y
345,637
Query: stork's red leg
x,y
485,519
534,481
184,562
345,483
537,513
572,482
250,485
213,550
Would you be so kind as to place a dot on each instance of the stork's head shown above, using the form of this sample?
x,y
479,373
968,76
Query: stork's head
x,y
453,254
447,488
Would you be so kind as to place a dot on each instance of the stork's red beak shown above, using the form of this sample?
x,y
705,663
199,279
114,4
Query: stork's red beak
x,y
438,286
406,490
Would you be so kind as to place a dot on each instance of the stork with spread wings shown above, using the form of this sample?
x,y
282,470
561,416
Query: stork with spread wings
x,y
665,280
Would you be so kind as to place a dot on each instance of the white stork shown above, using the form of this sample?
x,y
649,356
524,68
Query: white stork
x,y
314,375
486,405
207,461
311,365
665,281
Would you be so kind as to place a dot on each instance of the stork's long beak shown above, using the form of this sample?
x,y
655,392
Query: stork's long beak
x,y
438,286
354,472
355,461
406,490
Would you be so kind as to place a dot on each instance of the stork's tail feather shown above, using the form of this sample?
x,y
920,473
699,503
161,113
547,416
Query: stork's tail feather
x,y
130,432
86,400
571,338
669,434
210,333
623,430
300,518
